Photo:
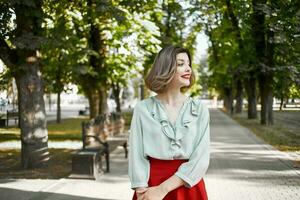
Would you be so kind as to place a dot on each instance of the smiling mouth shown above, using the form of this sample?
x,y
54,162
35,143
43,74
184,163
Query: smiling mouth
x,y
186,76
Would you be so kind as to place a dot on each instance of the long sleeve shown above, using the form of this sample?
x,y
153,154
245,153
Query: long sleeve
x,y
193,171
138,166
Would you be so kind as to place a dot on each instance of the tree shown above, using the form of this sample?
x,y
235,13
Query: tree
x,y
19,50
58,58
251,41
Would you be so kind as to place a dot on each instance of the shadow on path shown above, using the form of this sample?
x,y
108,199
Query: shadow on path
x,y
13,194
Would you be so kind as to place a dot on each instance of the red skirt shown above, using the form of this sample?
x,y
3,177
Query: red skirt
x,y
161,170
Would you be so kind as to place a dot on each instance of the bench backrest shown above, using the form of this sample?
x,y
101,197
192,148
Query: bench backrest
x,y
12,114
96,130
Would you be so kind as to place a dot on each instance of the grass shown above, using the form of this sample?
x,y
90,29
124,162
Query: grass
x,y
10,133
279,135
59,165
68,129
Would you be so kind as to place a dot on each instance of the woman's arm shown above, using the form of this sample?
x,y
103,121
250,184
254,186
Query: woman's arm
x,y
171,184
160,191
138,164
193,171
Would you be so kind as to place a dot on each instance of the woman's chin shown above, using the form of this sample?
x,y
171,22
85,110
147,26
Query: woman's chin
x,y
186,83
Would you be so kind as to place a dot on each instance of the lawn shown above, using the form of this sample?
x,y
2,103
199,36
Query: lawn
x,y
68,129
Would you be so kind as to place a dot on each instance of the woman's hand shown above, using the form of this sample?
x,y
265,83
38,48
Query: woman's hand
x,y
160,191
140,192
154,193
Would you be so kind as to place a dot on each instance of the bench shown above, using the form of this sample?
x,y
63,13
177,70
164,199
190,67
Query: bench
x,y
84,112
86,164
12,114
100,136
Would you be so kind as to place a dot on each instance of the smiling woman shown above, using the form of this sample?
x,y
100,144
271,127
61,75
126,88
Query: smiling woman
x,y
169,134
168,63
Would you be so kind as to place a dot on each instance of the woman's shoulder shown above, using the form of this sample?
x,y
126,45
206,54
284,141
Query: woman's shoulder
x,y
196,100
141,105
147,106
199,105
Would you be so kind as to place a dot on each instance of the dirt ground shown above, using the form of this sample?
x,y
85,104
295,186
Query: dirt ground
x,y
59,165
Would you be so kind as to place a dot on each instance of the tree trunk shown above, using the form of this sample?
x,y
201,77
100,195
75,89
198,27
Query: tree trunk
x,y
266,80
266,95
251,97
228,100
281,103
270,117
49,101
166,37
93,98
116,91
269,52
58,111
59,86
239,97
264,46
103,106
96,41
237,32
34,136
263,97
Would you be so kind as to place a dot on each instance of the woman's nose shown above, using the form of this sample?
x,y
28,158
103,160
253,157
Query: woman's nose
x,y
187,68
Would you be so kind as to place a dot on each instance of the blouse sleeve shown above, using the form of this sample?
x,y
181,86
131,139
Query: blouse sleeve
x,y
193,171
138,166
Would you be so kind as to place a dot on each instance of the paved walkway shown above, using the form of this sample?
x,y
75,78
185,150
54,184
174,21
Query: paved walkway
x,y
111,186
242,168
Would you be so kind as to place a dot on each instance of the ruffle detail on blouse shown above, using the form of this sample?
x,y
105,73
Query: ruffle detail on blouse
x,y
188,113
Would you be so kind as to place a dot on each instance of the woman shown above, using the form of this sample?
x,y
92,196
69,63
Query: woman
x,y
169,134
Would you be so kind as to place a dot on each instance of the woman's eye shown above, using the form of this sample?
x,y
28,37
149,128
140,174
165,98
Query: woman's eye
x,y
180,64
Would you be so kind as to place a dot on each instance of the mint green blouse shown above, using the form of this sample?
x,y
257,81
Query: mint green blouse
x,y
152,134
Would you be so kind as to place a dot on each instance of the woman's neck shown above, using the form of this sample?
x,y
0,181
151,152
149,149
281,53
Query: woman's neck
x,y
172,98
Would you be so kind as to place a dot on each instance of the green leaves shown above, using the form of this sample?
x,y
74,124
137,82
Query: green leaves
x,y
233,45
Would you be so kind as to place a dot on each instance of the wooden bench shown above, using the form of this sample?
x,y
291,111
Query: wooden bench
x,y
84,112
12,114
86,164
100,136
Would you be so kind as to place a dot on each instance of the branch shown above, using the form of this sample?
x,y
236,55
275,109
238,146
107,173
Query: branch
x,y
6,54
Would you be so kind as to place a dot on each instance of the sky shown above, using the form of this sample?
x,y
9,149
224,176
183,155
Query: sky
x,y
201,47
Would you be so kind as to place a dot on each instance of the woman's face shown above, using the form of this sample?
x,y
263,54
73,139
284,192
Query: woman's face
x,y
183,71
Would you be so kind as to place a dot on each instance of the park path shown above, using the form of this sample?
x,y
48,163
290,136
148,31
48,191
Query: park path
x,y
242,167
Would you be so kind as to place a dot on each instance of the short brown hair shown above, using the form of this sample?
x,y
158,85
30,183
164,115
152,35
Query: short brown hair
x,y
164,68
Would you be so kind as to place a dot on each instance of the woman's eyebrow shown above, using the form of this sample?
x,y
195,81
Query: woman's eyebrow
x,y
182,60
